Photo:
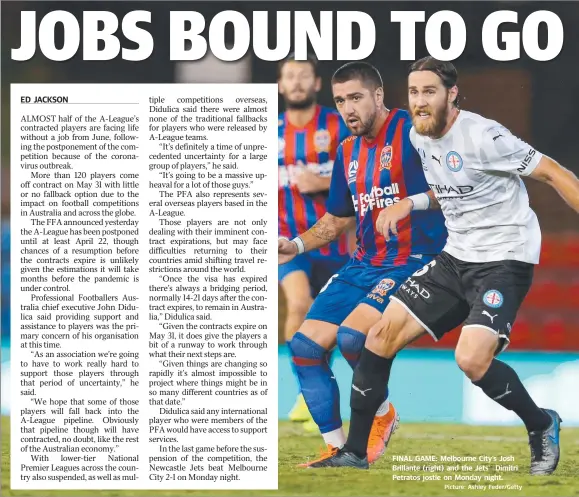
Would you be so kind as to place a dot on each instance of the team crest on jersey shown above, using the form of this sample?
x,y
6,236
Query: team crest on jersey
x,y
384,287
322,140
386,158
352,171
280,147
454,161
493,298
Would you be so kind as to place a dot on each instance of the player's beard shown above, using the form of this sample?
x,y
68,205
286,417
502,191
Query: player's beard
x,y
363,126
434,124
305,103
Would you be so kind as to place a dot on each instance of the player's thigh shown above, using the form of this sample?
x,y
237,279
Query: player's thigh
x,y
393,331
362,318
372,306
500,290
332,306
295,283
433,297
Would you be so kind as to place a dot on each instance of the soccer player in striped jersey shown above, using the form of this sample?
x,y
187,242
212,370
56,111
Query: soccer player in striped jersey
x,y
375,168
308,136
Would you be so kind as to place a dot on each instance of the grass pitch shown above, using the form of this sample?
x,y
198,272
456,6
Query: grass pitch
x,y
296,446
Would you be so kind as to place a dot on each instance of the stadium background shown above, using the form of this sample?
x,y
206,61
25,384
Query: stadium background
x,y
537,101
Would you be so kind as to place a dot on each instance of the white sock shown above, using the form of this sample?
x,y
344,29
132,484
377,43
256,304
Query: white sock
x,y
335,438
384,408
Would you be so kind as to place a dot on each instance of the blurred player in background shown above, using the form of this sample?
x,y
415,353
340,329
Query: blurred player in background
x,y
473,166
308,136
375,168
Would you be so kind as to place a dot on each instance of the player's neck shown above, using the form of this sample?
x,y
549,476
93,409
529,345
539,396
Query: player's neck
x,y
452,119
301,117
378,123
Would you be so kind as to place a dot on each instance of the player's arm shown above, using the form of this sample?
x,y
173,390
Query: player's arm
x,y
326,230
390,216
340,216
563,181
503,151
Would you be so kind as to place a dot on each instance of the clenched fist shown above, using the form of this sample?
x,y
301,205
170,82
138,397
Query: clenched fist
x,y
387,219
286,250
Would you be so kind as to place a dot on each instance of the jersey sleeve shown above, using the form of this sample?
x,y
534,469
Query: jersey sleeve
x,y
339,202
502,151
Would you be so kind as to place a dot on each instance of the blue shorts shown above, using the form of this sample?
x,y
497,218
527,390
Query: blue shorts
x,y
319,269
359,283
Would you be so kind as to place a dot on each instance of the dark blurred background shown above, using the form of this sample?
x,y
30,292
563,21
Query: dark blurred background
x,y
538,101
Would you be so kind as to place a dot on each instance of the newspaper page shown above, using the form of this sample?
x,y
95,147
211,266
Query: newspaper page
x,y
391,310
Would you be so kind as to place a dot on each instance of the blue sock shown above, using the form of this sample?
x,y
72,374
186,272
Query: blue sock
x,y
288,342
351,342
319,387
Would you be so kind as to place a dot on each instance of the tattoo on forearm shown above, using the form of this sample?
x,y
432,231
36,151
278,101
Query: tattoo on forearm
x,y
324,231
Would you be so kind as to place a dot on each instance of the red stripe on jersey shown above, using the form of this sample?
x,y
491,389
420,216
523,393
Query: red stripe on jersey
x,y
397,175
379,240
333,124
310,151
347,150
299,209
282,214
361,188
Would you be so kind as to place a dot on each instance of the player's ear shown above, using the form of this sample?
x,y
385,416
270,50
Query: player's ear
x,y
379,93
452,94
318,85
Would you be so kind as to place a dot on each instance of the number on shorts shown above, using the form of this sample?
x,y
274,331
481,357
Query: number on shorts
x,y
328,283
424,269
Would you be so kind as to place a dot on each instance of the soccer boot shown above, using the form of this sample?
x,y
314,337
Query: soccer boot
x,y
300,412
324,454
341,459
382,429
545,446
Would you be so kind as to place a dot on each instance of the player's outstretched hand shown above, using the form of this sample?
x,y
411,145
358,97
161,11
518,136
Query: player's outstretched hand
x,y
286,250
387,219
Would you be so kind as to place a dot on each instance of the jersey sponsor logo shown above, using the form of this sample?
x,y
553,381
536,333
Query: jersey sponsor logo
x,y
412,288
288,174
493,298
386,158
352,171
454,161
322,140
448,190
527,160
376,199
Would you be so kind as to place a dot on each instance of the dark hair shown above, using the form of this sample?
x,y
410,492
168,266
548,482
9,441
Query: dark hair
x,y
366,73
310,59
444,70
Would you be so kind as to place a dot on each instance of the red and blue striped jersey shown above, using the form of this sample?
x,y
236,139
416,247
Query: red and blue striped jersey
x,y
313,147
372,175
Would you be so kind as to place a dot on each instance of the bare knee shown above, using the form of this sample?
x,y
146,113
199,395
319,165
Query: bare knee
x,y
385,338
473,363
